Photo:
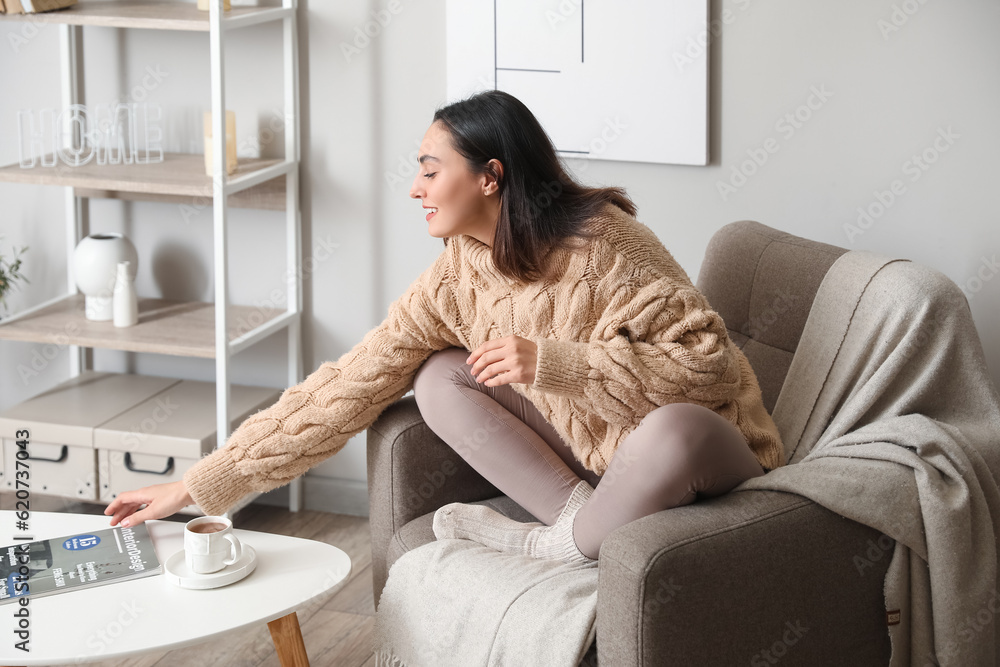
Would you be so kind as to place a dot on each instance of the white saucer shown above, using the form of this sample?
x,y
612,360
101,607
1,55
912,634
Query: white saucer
x,y
178,573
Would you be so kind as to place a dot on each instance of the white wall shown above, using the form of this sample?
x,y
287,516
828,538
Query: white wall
x,y
890,93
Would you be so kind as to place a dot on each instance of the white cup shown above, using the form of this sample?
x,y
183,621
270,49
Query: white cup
x,y
207,552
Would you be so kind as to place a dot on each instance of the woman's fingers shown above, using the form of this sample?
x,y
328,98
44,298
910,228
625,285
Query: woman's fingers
x,y
116,519
130,497
500,373
124,511
483,362
491,370
126,503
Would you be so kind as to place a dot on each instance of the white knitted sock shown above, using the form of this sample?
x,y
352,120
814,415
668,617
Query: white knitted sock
x,y
535,539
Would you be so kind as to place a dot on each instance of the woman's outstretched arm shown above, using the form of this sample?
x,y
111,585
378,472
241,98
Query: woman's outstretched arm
x,y
314,419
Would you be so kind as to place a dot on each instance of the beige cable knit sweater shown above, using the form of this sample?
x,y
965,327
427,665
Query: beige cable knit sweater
x,y
620,330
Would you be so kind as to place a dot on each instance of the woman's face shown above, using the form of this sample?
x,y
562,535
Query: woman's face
x,y
466,203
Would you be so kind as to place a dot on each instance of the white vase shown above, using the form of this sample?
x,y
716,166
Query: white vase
x,y
126,304
95,269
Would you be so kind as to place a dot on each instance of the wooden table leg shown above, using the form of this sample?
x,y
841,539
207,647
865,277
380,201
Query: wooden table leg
x,y
288,642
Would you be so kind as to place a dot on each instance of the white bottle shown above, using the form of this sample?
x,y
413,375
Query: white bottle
x,y
126,304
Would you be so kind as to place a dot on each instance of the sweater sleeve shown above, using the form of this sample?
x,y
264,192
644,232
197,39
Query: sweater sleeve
x,y
313,420
656,342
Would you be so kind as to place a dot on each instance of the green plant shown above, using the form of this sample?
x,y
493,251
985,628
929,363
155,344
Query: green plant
x,y
10,274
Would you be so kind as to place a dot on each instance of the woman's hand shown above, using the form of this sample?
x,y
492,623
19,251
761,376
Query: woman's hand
x,y
161,500
504,360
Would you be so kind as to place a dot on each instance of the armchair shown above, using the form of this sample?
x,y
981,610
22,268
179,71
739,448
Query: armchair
x,y
736,579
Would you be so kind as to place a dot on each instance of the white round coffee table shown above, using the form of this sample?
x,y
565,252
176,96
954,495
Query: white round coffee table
x,y
150,614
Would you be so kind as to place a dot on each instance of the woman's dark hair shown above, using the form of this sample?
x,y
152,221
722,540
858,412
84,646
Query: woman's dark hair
x,y
541,206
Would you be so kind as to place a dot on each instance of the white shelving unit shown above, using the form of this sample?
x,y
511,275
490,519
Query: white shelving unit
x,y
182,328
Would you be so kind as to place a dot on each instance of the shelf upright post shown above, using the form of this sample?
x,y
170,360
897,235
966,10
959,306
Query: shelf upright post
x,y
293,236
77,208
219,178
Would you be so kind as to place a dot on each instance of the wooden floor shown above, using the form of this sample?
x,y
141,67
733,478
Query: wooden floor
x,y
336,630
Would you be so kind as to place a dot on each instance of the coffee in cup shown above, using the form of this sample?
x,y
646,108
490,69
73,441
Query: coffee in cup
x,y
210,545
208,527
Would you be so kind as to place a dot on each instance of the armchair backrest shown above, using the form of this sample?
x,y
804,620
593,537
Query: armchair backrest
x,y
762,281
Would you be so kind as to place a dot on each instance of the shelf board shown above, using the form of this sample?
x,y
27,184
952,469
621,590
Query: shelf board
x,y
132,14
268,196
183,328
180,179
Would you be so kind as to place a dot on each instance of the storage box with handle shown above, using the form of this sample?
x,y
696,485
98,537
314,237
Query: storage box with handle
x,y
60,423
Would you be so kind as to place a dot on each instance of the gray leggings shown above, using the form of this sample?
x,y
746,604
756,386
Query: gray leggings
x,y
678,451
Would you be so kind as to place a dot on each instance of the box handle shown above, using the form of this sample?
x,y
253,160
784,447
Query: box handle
x,y
130,466
62,456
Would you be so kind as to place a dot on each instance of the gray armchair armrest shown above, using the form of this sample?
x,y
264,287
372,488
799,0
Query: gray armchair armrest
x,y
411,472
750,577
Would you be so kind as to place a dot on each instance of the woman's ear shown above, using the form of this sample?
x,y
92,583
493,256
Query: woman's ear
x,y
493,176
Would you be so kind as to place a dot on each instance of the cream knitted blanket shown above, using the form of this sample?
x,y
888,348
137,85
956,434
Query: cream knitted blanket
x,y
457,603
891,419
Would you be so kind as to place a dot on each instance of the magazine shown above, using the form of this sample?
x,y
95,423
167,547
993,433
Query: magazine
x,y
78,561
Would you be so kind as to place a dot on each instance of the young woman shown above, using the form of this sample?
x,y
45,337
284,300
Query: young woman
x,y
555,344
